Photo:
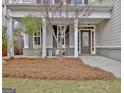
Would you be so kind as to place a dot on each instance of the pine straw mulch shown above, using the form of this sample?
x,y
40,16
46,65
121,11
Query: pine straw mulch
x,y
53,69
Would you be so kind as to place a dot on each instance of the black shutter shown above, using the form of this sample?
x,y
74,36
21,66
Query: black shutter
x,y
67,37
54,41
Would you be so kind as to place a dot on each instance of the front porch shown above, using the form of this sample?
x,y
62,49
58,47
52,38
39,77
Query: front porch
x,y
81,40
84,43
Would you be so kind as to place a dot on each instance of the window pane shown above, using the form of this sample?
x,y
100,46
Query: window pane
x,y
85,1
27,1
58,39
68,1
38,1
63,41
77,1
38,33
85,39
46,1
92,41
38,40
35,40
35,34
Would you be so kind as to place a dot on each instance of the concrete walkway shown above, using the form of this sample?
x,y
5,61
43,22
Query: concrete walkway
x,y
104,63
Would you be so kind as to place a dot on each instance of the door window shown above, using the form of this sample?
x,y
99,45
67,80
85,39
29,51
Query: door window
x,y
85,40
37,39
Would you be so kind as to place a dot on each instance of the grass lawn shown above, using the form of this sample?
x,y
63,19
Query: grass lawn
x,y
63,86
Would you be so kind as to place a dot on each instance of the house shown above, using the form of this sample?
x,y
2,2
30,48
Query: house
x,y
99,34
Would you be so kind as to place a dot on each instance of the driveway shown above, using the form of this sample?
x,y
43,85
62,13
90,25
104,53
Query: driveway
x,y
104,63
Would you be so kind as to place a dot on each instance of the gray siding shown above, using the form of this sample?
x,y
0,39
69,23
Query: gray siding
x,y
110,30
49,39
107,2
97,35
111,53
72,35
30,44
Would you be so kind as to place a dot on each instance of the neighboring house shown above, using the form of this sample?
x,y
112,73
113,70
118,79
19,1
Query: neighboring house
x,y
99,34
4,28
4,19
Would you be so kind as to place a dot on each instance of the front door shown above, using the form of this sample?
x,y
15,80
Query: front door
x,y
85,42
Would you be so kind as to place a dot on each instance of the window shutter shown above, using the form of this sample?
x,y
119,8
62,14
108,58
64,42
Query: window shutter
x,y
54,41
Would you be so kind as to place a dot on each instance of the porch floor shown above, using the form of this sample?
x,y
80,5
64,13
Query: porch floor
x,y
34,57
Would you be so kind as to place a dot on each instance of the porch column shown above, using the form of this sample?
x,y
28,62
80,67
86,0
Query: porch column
x,y
76,37
10,41
26,41
44,38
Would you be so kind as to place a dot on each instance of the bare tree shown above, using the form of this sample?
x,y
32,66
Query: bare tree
x,y
63,9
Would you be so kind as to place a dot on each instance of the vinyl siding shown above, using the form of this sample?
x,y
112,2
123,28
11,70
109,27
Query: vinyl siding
x,y
110,30
107,2
49,39
30,44
97,35
72,35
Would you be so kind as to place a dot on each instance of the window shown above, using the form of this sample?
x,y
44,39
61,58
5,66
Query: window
x,y
85,36
48,1
37,38
86,1
80,1
38,1
28,1
56,1
77,1
44,1
62,1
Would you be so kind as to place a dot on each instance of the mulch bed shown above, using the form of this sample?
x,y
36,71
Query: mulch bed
x,y
53,69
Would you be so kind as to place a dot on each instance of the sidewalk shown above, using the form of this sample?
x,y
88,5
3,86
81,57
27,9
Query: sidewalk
x,y
104,63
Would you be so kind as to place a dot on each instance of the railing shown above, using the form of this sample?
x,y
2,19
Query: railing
x,y
54,1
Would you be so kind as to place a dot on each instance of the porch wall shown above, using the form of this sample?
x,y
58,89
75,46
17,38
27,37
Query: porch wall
x,y
110,34
49,42
72,35
69,51
97,35
49,39
110,53
49,45
30,44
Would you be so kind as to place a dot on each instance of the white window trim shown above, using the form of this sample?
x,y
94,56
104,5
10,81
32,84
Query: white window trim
x,y
37,46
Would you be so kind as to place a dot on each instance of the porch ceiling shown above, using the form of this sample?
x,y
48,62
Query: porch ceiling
x,y
90,21
38,7
95,12
64,20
